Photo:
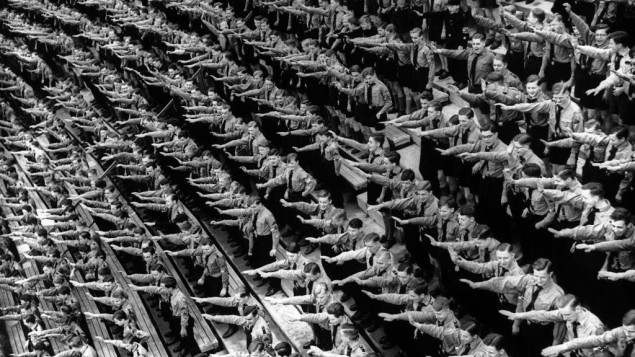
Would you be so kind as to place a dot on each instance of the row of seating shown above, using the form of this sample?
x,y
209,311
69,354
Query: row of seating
x,y
95,327
207,340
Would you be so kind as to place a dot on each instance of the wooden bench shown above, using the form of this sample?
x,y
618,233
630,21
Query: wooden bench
x,y
95,327
396,138
155,345
353,176
236,281
203,335
15,332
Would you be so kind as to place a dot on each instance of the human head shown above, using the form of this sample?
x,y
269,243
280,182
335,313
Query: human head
x,y
533,85
505,255
404,273
489,134
336,313
382,260
354,226
593,192
375,141
469,332
454,6
619,41
391,159
619,135
536,16
447,207
521,145
493,345
565,178
441,307
282,349
415,34
120,318
628,322
601,34
292,161
466,216
620,220
478,42
157,270
369,75
312,271
372,242
168,282
569,307
424,190
292,251
349,333
425,98
500,63
465,115
560,94
542,271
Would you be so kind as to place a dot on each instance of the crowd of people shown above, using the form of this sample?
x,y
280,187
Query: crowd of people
x,y
510,235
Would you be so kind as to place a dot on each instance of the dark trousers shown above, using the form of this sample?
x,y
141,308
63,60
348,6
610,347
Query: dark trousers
x,y
262,247
537,133
212,285
371,119
188,343
535,242
323,337
507,130
535,337
491,211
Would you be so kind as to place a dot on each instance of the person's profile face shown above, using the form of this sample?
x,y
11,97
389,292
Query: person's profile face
x,y
629,330
520,150
372,144
614,47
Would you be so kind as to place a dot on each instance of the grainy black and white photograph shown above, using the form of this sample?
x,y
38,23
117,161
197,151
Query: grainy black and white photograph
x,y
322,178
